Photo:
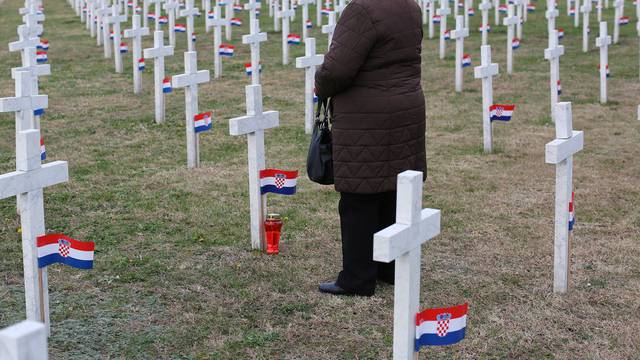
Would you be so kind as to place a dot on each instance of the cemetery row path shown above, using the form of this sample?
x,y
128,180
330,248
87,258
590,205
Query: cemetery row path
x,y
174,275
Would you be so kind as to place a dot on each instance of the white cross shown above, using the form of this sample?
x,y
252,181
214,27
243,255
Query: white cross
x,y
603,42
330,28
170,7
551,14
432,11
509,22
309,62
520,4
228,15
217,22
254,39
27,183
158,13
484,7
553,54
486,71
24,41
496,12
136,33
26,340
569,2
253,125
318,12
599,10
189,12
560,152
619,6
285,14
585,9
443,12
305,16
402,242
576,15
35,70
31,21
103,14
276,21
145,12
158,53
115,19
25,102
190,80
459,34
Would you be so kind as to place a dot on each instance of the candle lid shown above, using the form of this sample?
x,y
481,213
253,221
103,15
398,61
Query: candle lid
x,y
274,217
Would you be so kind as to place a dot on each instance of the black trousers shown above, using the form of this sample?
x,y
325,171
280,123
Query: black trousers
x,y
361,216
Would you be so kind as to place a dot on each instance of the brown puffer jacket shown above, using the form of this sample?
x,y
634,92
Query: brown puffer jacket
x,y
372,73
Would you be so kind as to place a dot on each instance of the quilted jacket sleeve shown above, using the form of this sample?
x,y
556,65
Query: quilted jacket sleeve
x,y
353,39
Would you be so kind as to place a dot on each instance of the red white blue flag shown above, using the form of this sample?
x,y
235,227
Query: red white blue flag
x,y
248,71
236,22
41,56
226,50
43,150
211,15
151,16
624,20
487,26
237,8
572,12
515,43
606,69
560,33
309,24
38,112
293,39
193,37
466,60
441,326
141,65
472,12
503,9
180,28
501,112
124,48
166,85
447,35
436,19
326,11
202,122
559,88
43,45
572,213
58,248
531,8
163,20
278,181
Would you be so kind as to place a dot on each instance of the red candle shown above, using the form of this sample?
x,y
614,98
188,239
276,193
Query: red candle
x,y
272,229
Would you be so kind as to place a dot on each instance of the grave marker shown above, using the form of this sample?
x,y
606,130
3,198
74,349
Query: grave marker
x,y
253,125
443,12
551,14
217,22
486,71
496,12
170,7
560,152
158,53
520,4
189,12
553,54
485,6
603,42
104,13
190,80
228,15
330,28
309,62
115,19
432,11
585,9
35,70
509,22
305,17
158,12
136,33
619,5
26,340
254,39
402,242
459,34
285,14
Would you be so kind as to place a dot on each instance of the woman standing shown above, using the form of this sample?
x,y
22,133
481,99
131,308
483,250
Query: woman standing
x,y
372,75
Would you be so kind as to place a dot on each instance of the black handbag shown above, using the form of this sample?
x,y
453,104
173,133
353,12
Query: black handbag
x,y
320,156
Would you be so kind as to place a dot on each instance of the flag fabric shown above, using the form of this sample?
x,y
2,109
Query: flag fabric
x,y
226,50
482,28
572,214
460,5
124,48
141,64
193,37
43,150
308,24
236,22
572,12
441,326
180,28
202,122
129,4
559,88
472,12
248,71
58,248
111,35
138,10
560,33
151,16
436,19
211,15
163,20
43,45
503,9
278,181
531,8
447,35
315,98
166,85
326,11
41,56
624,20
606,69
515,43
293,39
466,60
38,112
237,8
222,3
501,112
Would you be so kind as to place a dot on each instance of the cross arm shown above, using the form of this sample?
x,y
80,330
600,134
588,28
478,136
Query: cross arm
x,y
248,124
485,71
398,239
554,53
13,104
443,12
254,38
37,70
603,41
18,182
185,80
550,14
158,52
560,149
309,61
460,33
130,33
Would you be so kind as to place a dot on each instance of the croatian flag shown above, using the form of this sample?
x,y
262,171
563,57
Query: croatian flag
x,y
211,15
559,88
531,8
460,5
38,112
441,326
138,10
326,11
308,24
436,19
503,9
124,48
202,122
501,112
293,39
163,20
447,35
572,214
606,69
141,64
257,12
560,33
237,8
43,150
486,26
41,56
129,4
180,28
226,50
624,20
278,181
111,35
472,12
43,45
247,68
515,44
193,37
466,60
151,16
58,248
572,12
236,22
166,85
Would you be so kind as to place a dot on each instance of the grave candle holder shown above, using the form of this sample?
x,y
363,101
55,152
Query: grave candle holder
x,y
273,229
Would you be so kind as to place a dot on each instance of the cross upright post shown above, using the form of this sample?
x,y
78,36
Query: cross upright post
x,y
459,34
104,22
309,62
305,16
190,80
520,4
551,14
486,71
228,14
136,33
619,5
330,28
560,152
31,22
496,12
402,242
24,41
253,125
553,54
158,11
432,11
603,42
443,12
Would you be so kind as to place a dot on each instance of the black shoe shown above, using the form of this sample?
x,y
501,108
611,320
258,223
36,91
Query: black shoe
x,y
332,288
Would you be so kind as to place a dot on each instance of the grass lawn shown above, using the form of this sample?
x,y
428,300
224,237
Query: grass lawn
x,y
175,276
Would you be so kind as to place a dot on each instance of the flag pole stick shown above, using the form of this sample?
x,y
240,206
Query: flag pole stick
x,y
41,291
417,355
